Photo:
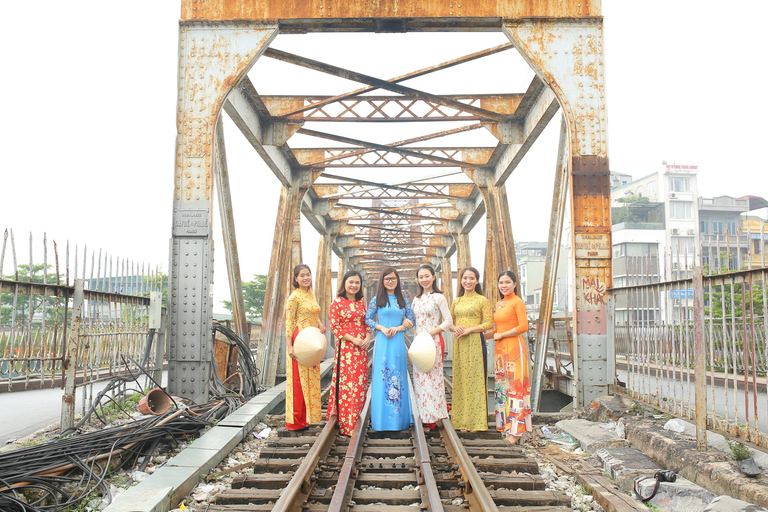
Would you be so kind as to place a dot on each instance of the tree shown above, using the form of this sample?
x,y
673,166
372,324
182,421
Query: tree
x,y
253,296
718,299
26,308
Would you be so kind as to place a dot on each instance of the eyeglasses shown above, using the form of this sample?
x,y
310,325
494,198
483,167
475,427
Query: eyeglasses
x,y
390,279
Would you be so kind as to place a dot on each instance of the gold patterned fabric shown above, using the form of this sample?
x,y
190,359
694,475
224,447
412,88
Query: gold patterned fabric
x,y
302,310
469,410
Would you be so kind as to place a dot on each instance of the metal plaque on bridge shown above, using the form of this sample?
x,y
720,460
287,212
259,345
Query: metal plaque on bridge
x,y
191,223
593,245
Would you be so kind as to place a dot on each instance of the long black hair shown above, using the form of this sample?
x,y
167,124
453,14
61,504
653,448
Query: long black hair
x,y
478,286
342,292
382,298
434,284
510,275
296,270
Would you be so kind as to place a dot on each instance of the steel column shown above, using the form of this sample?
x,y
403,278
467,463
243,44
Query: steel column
x,y
323,291
463,254
202,89
568,56
278,283
226,213
559,196
447,279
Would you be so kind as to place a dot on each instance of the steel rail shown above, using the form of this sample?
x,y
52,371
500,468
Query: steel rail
x,y
430,494
474,489
347,475
296,493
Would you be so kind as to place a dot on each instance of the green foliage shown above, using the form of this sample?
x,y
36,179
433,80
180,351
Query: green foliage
x,y
719,299
740,452
633,199
26,308
253,296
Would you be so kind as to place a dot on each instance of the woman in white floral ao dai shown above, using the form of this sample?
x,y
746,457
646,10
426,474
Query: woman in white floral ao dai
x,y
432,315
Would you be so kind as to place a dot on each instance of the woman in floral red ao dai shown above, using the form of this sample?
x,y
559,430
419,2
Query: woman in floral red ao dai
x,y
350,370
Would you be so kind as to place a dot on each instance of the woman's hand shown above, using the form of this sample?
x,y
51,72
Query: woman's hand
x,y
321,327
459,331
289,351
407,323
363,343
390,332
497,336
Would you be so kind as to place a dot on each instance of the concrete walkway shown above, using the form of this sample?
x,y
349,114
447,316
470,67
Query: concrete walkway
x,y
26,412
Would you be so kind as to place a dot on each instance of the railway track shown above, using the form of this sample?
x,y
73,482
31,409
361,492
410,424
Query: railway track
x,y
320,470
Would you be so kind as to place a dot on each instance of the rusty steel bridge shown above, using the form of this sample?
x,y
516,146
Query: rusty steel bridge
x,y
367,221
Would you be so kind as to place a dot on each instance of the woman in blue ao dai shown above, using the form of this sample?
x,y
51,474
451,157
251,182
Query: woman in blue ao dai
x,y
389,316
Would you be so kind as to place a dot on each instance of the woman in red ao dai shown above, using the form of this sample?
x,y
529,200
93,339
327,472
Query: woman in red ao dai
x,y
350,371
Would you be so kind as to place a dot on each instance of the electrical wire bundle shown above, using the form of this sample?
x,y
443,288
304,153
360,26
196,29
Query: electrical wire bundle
x,y
247,365
59,474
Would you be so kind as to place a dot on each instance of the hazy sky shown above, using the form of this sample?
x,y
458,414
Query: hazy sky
x,y
89,95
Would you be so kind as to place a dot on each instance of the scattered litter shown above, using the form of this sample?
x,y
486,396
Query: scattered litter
x,y
675,425
263,434
546,431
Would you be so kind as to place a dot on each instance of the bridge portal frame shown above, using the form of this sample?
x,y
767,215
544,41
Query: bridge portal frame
x,y
220,40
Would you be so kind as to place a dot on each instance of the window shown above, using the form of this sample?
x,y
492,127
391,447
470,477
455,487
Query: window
x,y
703,226
639,192
705,259
680,184
731,226
681,210
651,188
682,244
717,226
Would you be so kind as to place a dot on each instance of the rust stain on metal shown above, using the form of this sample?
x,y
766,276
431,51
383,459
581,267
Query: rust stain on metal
x,y
397,9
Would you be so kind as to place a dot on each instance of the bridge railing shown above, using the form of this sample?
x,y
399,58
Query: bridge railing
x,y
37,314
654,327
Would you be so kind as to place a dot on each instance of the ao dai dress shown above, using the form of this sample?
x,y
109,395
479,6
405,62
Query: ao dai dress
x,y
512,395
350,368
431,310
302,383
470,405
390,399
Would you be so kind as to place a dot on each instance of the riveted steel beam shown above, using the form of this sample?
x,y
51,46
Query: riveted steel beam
x,y
359,15
249,114
414,74
571,64
382,84
518,139
201,95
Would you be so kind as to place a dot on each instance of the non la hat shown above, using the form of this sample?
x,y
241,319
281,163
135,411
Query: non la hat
x,y
309,346
423,352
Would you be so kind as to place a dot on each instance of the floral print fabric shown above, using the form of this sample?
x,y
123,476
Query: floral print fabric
x,y
431,310
350,369
390,399
512,395
301,310
470,405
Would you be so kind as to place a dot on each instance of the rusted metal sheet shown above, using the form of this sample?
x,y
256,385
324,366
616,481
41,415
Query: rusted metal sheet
x,y
219,10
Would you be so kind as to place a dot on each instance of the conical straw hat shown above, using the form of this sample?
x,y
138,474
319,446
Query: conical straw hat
x,y
422,352
309,346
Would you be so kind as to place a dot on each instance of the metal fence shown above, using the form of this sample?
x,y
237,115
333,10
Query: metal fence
x,y
105,326
665,313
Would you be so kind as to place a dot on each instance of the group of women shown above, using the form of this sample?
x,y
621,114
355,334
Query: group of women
x,y
382,323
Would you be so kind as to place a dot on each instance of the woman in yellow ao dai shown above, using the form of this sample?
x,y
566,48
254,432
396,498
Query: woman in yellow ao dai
x,y
302,383
472,315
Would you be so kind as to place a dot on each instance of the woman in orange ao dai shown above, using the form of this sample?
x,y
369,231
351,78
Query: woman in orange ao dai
x,y
512,375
